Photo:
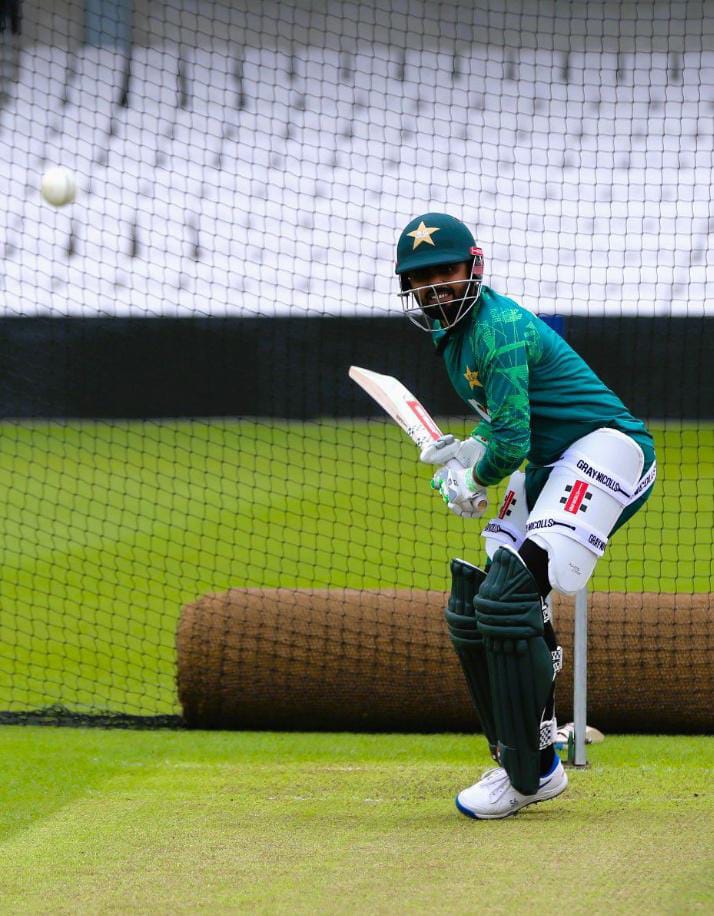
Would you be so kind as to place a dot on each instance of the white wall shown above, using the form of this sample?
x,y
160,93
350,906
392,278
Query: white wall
x,y
585,171
674,25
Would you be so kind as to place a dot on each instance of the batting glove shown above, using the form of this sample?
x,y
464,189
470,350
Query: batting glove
x,y
468,452
457,487
462,495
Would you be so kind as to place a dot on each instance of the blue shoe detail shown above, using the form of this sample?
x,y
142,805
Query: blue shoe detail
x,y
553,768
464,810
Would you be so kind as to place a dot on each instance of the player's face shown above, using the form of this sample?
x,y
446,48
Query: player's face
x,y
440,290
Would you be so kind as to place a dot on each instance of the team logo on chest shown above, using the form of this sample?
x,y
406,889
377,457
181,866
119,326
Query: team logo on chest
x,y
471,376
577,496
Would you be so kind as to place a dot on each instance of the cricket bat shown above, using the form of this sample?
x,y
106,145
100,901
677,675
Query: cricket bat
x,y
402,406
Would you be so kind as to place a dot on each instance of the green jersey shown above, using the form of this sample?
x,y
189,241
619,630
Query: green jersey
x,y
535,395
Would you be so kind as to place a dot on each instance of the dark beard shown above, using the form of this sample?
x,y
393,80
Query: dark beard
x,y
444,312
447,311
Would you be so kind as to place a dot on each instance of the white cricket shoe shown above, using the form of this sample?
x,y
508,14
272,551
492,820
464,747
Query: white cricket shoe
x,y
493,796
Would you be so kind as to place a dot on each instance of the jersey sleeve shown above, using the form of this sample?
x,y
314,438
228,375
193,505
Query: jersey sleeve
x,y
482,430
503,349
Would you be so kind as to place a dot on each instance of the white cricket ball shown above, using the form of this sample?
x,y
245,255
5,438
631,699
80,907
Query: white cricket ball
x,y
58,186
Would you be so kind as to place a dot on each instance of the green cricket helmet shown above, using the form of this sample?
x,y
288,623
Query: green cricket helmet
x,y
437,240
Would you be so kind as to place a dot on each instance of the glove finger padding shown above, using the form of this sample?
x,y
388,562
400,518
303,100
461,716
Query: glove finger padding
x,y
465,511
460,492
467,452
454,478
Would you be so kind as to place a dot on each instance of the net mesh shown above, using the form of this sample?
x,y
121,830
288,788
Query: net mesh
x,y
177,417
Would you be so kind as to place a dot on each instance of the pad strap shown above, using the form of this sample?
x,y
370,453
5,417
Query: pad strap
x,y
503,531
548,733
646,482
571,528
598,475
603,478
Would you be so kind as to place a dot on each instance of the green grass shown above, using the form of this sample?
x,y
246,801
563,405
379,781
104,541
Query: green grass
x,y
94,821
109,528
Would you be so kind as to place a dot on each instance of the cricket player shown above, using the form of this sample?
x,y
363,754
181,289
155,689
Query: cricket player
x,y
590,467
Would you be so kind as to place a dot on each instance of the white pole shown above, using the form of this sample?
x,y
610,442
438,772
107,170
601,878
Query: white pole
x,y
580,677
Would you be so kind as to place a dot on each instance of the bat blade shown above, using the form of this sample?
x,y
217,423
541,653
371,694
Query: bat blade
x,y
401,405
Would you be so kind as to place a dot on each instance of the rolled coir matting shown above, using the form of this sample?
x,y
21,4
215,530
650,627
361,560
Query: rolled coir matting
x,y
350,660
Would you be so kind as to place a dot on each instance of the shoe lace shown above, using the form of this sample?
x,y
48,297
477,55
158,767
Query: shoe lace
x,y
498,782
494,776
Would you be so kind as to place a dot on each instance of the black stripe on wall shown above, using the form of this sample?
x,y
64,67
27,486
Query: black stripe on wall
x,y
296,368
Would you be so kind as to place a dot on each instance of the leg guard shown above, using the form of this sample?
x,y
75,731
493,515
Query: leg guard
x,y
588,488
509,615
509,527
468,642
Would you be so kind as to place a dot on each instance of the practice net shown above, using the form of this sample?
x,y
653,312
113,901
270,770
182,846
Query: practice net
x,y
177,418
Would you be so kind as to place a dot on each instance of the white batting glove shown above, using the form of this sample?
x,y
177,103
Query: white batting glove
x,y
462,495
468,452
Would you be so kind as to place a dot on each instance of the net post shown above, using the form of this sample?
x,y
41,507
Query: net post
x,y
580,678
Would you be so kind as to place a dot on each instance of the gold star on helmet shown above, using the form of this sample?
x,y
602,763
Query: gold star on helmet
x,y
423,233
472,378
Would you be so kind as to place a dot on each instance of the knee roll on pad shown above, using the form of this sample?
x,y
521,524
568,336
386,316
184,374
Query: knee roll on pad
x,y
468,642
509,616
466,580
588,488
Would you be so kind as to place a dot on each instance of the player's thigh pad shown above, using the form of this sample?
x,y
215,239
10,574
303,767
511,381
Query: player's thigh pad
x,y
509,527
588,488
468,641
509,615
